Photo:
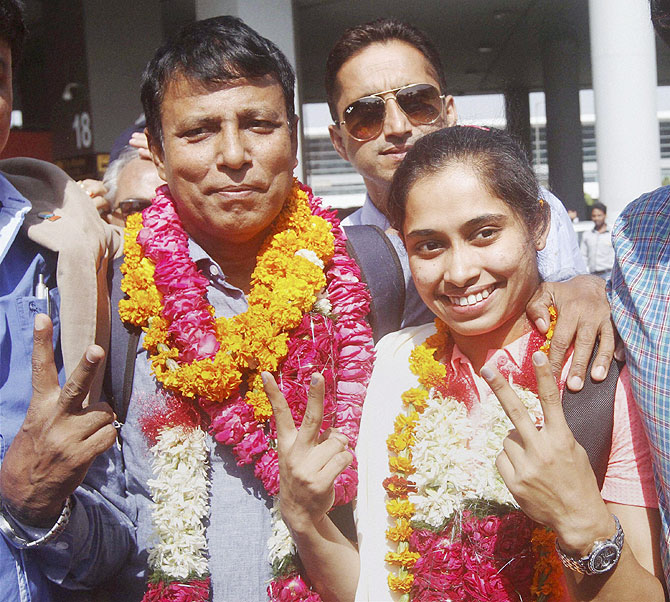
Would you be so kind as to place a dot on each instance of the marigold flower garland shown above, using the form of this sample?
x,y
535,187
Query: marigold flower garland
x,y
457,531
307,309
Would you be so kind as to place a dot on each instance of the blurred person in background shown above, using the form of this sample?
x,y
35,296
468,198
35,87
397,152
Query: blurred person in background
x,y
596,245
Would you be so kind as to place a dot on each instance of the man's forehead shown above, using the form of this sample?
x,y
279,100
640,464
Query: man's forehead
x,y
382,66
182,84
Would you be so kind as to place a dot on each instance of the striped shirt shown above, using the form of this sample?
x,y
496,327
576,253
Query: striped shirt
x,y
639,292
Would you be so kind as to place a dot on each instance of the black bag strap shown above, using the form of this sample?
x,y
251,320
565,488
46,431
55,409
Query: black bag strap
x,y
382,272
590,416
120,370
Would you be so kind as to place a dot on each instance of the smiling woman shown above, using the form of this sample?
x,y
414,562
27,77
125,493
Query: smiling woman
x,y
467,511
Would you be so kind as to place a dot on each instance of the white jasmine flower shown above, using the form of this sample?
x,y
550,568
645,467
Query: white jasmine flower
x,y
180,494
311,256
280,543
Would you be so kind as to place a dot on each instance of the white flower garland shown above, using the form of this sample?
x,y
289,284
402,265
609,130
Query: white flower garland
x,y
281,543
181,498
455,452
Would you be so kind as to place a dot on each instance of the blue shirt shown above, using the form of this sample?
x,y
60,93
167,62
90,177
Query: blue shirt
x,y
638,292
78,557
239,522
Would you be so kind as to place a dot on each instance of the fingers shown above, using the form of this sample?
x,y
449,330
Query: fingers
x,y
606,351
537,309
334,467
510,402
619,349
95,417
141,143
139,140
100,441
550,398
280,409
93,187
44,373
564,333
79,384
313,417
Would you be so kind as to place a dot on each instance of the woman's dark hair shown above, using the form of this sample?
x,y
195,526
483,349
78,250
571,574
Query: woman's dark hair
x,y
213,51
496,158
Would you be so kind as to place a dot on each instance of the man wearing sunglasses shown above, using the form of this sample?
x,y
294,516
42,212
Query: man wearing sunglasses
x,y
131,183
385,87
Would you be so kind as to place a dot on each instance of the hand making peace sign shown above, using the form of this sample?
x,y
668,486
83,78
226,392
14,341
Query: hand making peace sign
x,y
309,462
546,469
60,436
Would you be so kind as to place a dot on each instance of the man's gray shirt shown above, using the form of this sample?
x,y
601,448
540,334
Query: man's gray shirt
x,y
239,523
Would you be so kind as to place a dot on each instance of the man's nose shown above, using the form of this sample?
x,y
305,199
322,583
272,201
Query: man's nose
x,y
396,123
231,150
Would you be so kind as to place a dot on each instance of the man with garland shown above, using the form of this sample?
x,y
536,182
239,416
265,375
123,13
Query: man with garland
x,y
54,252
386,88
234,270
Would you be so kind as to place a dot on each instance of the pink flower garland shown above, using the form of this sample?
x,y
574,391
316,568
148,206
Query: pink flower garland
x,y
340,348
487,559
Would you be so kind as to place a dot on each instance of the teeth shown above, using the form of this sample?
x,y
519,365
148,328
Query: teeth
x,y
470,299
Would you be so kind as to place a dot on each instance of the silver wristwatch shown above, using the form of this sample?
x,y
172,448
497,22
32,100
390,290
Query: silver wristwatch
x,y
603,556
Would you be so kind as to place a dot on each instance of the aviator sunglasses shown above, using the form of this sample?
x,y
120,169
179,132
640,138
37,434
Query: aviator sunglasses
x,y
364,118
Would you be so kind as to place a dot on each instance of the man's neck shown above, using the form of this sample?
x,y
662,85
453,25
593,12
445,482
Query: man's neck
x,y
602,228
378,194
237,261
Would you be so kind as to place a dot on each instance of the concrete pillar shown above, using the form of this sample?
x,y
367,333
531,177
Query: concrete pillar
x,y
272,19
97,52
517,115
623,65
560,67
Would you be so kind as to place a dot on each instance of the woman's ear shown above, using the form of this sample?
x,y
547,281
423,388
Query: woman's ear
x,y
541,238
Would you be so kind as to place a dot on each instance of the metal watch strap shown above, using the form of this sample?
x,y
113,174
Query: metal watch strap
x,y
583,565
9,531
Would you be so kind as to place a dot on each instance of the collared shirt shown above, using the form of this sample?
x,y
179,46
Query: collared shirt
x,y
239,522
638,293
21,261
597,250
98,536
628,478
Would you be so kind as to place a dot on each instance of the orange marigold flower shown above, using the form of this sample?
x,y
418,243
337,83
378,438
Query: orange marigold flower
x,y
416,397
400,508
553,315
397,442
401,464
401,584
401,531
398,486
405,559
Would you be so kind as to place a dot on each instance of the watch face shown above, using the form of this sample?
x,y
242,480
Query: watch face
x,y
604,558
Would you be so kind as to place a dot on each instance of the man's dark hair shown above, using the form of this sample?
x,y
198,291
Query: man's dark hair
x,y
660,17
212,52
357,38
13,27
498,160
600,206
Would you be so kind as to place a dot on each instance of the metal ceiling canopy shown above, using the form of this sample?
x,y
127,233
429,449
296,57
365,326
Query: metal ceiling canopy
x,y
485,45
